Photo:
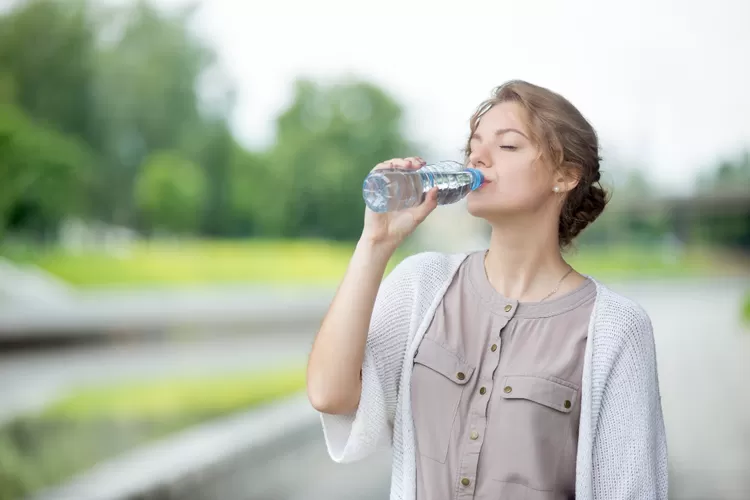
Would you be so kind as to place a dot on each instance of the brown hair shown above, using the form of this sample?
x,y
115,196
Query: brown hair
x,y
566,139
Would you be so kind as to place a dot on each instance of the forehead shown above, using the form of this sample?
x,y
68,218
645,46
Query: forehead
x,y
503,115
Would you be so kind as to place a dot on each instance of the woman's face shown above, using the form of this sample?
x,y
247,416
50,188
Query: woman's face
x,y
519,181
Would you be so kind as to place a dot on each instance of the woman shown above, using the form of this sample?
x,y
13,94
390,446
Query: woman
x,y
501,374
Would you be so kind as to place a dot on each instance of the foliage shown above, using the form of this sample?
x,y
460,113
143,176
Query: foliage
x,y
43,173
328,139
131,82
170,191
730,175
746,308
91,425
126,79
730,178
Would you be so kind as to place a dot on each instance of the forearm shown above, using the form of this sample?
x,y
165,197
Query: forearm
x,y
333,375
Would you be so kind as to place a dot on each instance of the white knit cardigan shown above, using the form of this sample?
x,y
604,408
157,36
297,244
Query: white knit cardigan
x,y
622,449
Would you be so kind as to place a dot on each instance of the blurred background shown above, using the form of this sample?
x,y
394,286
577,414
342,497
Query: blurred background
x,y
180,191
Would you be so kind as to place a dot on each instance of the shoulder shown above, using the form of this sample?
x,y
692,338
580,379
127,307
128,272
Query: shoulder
x,y
620,312
427,266
621,326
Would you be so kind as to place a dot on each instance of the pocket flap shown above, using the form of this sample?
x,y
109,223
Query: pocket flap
x,y
446,362
553,393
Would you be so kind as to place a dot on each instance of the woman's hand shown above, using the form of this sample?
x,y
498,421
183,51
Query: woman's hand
x,y
389,229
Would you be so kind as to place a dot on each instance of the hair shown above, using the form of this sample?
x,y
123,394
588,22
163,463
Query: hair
x,y
565,139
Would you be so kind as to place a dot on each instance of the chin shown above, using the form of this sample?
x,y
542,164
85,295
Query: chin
x,y
488,208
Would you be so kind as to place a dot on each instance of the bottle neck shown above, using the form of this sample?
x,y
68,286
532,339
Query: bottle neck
x,y
477,178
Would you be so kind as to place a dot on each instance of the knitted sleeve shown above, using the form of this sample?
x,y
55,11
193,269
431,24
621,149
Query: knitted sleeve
x,y
629,447
353,437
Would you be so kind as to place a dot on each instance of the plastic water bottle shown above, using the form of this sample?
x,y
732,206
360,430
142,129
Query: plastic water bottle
x,y
392,189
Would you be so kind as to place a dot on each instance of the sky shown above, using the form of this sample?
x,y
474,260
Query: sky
x,y
664,83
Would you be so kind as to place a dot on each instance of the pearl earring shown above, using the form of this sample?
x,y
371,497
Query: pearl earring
x,y
556,189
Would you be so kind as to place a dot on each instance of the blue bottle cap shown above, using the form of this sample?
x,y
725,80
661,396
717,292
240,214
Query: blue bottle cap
x,y
477,176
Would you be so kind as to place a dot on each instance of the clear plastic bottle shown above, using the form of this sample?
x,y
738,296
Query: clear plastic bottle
x,y
392,189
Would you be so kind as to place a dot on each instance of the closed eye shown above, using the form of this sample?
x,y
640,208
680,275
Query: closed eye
x,y
509,148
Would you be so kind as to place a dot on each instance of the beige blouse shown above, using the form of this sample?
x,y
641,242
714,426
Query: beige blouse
x,y
496,392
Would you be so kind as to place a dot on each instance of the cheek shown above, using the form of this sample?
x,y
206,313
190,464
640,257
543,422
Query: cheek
x,y
522,178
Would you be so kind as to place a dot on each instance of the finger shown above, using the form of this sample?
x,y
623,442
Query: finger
x,y
412,162
392,163
402,163
428,205
415,162
382,166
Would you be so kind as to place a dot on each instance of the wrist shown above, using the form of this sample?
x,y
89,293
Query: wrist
x,y
375,249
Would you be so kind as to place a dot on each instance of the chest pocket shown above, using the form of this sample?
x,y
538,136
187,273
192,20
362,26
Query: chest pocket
x,y
438,379
532,433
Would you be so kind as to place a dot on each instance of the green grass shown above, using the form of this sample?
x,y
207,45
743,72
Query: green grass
x,y
746,308
93,424
309,262
195,262
166,398
634,262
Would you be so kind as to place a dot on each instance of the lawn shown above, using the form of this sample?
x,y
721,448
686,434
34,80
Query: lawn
x,y
197,262
634,262
93,424
308,262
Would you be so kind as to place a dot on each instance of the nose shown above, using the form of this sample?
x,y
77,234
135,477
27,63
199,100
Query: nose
x,y
478,157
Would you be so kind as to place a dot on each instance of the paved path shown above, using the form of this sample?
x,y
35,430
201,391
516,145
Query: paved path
x,y
307,473
704,368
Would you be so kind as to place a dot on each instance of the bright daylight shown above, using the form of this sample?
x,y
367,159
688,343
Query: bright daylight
x,y
410,250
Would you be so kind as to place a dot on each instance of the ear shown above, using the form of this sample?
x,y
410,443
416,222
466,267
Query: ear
x,y
567,177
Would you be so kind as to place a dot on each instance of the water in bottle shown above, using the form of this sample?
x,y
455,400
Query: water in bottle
x,y
387,190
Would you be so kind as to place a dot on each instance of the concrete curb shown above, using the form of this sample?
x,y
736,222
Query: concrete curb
x,y
25,284
168,467
100,314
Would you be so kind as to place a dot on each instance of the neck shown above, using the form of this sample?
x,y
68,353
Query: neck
x,y
524,260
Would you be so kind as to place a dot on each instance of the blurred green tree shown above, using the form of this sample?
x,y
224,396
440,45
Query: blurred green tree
x,y
122,78
729,179
43,174
252,205
147,69
328,139
170,193
729,175
47,54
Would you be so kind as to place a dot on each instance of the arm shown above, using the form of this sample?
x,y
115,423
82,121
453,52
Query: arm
x,y
630,448
354,435
355,363
334,383
333,373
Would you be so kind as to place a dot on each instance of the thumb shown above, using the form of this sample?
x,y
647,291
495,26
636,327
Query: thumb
x,y
428,205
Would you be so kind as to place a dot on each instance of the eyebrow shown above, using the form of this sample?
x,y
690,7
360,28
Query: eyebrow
x,y
501,131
